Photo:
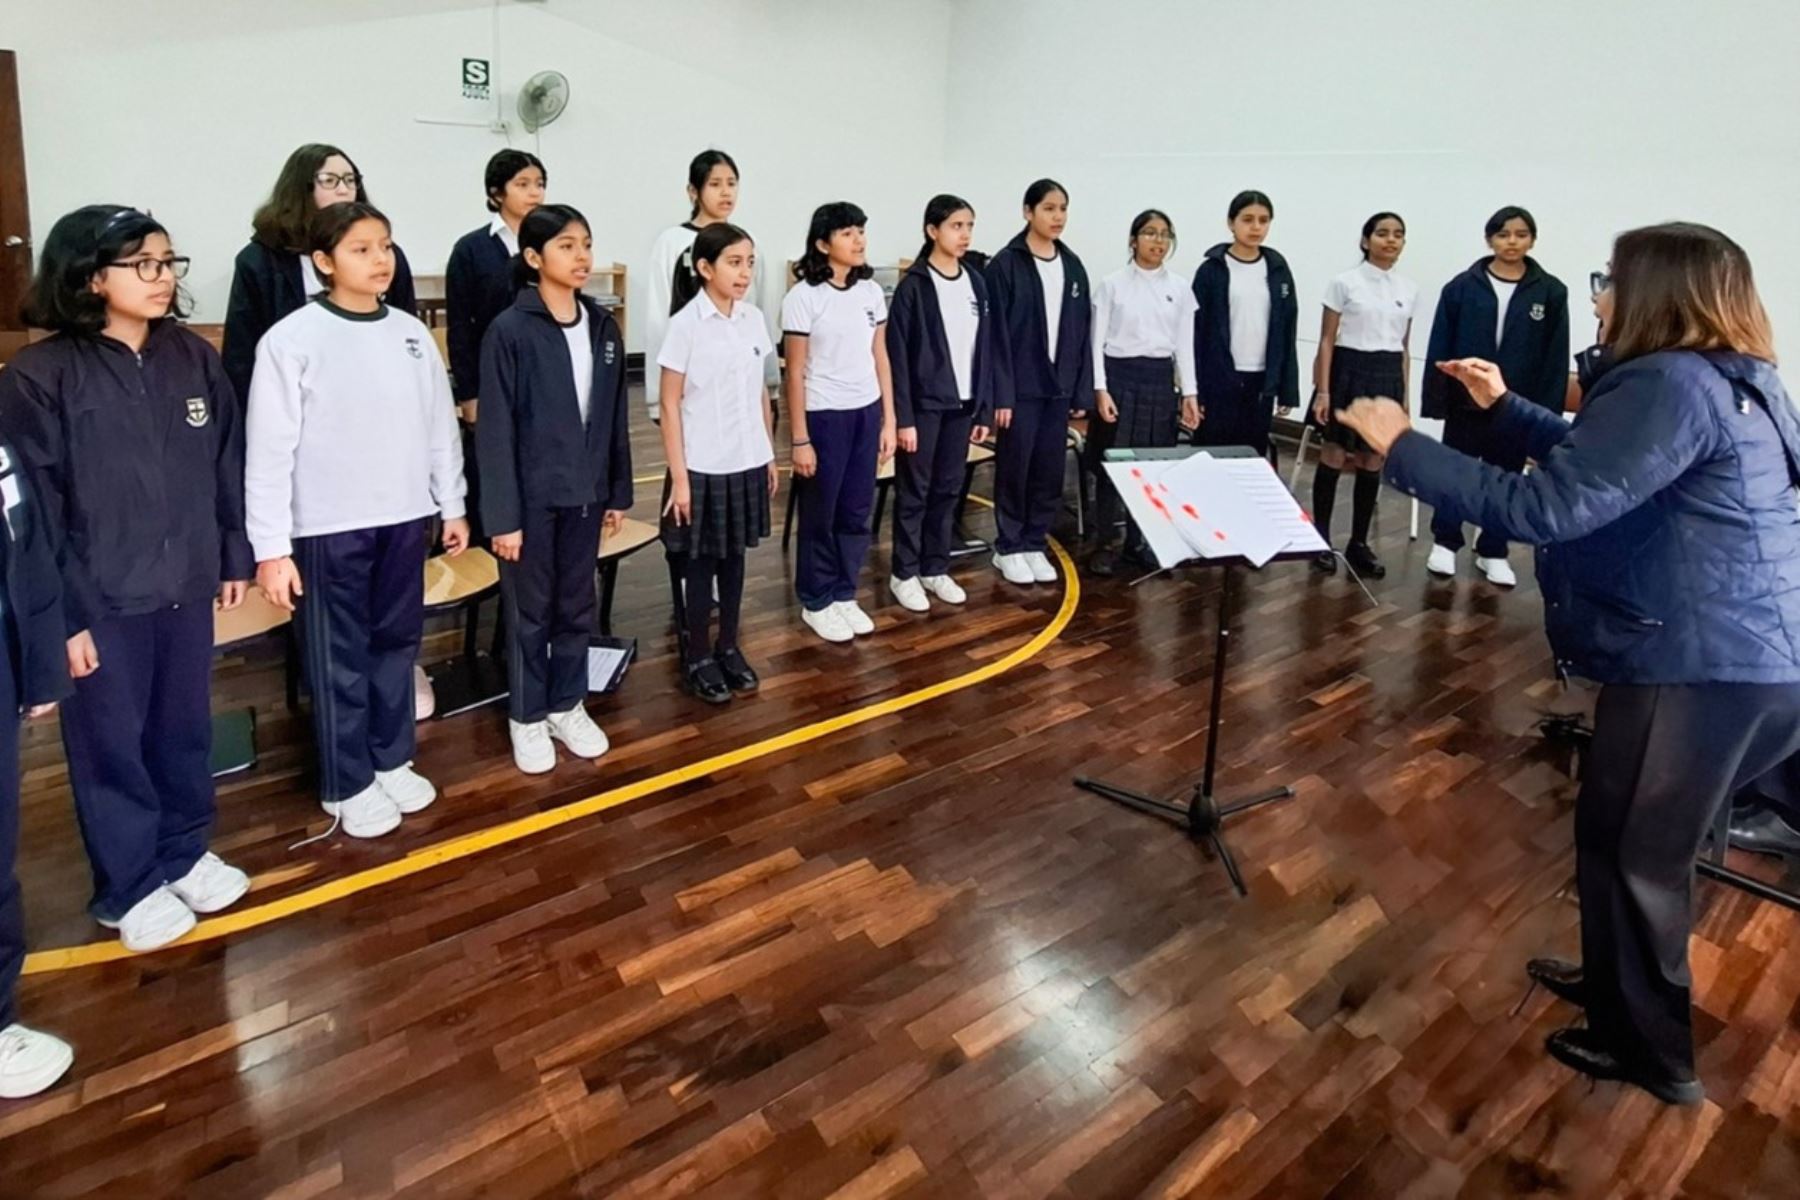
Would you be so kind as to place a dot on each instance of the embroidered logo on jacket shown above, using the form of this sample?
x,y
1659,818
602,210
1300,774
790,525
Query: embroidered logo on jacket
x,y
1284,291
1075,290
611,352
196,411
413,348
1537,312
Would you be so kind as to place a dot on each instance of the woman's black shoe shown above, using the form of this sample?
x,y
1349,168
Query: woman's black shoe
x,y
1362,560
1560,978
1760,831
1103,563
707,681
1325,563
737,672
1582,1050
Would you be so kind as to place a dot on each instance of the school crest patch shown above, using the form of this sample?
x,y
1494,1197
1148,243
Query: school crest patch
x,y
196,411
870,313
1075,290
611,352
414,348
1537,312
1284,291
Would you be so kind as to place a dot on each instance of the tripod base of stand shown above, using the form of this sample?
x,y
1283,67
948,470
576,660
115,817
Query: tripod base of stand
x,y
1202,817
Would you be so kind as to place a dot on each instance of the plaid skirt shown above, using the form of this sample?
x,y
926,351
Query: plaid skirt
x,y
1356,374
727,514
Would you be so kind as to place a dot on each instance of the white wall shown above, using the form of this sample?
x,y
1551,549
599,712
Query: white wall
x,y
189,107
1598,116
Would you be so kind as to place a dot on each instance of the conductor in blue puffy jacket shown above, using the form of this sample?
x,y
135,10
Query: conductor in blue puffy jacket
x,y
1668,554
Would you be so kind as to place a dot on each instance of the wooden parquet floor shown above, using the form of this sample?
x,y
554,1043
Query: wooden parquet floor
x,y
907,958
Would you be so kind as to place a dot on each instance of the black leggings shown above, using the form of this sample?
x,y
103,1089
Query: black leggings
x,y
698,574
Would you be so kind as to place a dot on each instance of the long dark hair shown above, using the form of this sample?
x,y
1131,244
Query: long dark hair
x,y
1034,195
1683,286
1511,212
500,171
283,221
541,226
1245,199
938,209
1144,218
331,223
79,246
714,240
700,170
815,265
1369,228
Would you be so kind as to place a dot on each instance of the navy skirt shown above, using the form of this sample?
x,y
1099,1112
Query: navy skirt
x,y
728,514
1354,375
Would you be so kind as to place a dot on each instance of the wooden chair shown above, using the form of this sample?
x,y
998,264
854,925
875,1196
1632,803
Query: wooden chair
x,y
465,583
234,733
633,536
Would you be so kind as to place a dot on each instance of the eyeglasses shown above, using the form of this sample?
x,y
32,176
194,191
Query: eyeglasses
x,y
1156,235
1599,281
331,181
151,269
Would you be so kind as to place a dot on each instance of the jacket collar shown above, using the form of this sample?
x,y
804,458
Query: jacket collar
x,y
1019,246
1276,262
528,299
1533,272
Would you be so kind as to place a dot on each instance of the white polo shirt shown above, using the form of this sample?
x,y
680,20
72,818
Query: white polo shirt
x,y
1375,308
721,361
1247,310
1145,314
961,313
839,325
500,229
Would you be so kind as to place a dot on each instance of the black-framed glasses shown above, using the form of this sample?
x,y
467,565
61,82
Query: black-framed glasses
x,y
151,269
331,181
1599,281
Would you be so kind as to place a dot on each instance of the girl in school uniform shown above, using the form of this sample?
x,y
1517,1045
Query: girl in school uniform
x,y
133,431
478,283
34,675
1363,340
555,455
1042,300
840,401
941,344
716,430
1143,361
1510,311
274,276
1245,331
352,447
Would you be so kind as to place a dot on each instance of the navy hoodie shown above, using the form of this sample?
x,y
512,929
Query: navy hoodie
x,y
1212,331
1018,299
533,450
139,458
919,351
265,287
1534,354
478,286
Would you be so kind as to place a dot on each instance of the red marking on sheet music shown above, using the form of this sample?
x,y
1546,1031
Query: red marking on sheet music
x,y
1193,512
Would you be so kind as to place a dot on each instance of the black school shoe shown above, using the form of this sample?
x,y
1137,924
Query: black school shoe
x,y
1362,560
737,672
1582,1050
1559,977
1760,831
1103,563
1325,562
705,680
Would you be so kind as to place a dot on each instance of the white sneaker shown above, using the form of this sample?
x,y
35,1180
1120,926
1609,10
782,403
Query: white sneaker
x,y
1499,572
368,814
1041,570
576,730
828,623
852,614
154,922
1442,561
909,593
944,588
211,885
424,699
532,751
410,791
30,1061
1015,568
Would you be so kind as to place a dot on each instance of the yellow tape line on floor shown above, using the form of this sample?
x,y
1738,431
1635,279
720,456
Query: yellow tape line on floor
x,y
45,961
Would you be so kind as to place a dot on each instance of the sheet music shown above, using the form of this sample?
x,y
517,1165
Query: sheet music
x,y
1212,508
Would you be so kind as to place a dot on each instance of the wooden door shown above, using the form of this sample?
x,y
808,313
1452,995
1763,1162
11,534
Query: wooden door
x,y
15,216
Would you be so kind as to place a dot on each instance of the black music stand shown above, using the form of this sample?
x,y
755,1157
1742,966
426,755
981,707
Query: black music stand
x,y
1203,817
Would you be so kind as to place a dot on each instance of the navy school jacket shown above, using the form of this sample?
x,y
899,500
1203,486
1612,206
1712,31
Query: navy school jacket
x,y
1212,330
1534,354
477,288
532,449
140,463
33,598
919,352
1018,299
265,287
1664,516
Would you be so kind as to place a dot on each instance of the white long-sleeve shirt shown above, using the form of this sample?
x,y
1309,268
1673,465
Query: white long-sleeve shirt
x,y
665,253
350,425
1145,314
